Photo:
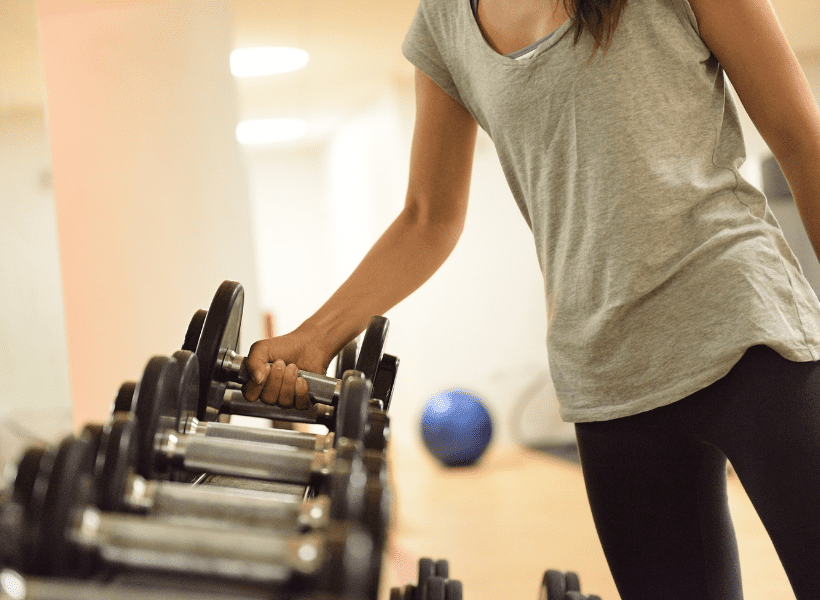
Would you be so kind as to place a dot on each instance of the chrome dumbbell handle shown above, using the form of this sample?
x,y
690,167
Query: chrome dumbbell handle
x,y
234,403
244,459
231,367
282,437
13,586
190,547
237,506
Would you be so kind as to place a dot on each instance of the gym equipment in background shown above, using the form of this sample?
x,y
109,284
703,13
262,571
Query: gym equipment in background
x,y
456,427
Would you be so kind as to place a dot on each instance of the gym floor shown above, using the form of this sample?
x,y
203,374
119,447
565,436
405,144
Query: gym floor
x,y
503,522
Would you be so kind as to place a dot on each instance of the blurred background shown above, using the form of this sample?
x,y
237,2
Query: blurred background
x,y
126,197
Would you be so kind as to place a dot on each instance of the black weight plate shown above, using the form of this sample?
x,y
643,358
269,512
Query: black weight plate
x,y
27,468
187,387
347,358
386,379
427,569
156,409
455,591
194,330
353,408
219,331
573,595
124,402
553,586
573,582
115,461
409,592
372,347
378,431
436,589
395,593
442,568
69,489
93,432
33,512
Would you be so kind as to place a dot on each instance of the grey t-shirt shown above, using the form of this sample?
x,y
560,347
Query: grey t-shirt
x,y
661,264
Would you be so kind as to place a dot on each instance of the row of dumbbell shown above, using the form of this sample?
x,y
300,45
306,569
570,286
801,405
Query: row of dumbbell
x,y
151,438
84,504
433,584
168,444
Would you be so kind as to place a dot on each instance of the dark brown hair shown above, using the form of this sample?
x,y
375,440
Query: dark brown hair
x,y
600,17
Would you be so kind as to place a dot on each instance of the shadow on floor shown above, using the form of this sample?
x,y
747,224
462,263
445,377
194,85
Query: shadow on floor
x,y
567,452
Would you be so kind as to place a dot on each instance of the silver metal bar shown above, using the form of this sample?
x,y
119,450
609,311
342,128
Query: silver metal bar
x,y
248,508
234,403
321,388
285,437
238,458
42,588
196,547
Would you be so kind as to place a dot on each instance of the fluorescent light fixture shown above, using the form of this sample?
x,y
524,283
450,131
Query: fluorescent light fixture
x,y
270,131
260,62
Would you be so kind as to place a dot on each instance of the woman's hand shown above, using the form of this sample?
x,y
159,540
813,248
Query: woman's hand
x,y
273,365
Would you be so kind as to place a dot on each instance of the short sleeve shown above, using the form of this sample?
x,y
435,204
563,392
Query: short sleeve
x,y
421,49
689,21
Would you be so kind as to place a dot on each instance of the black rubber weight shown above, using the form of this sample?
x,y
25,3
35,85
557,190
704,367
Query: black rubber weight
x,y
555,585
436,589
353,407
573,582
573,595
347,358
220,331
194,330
27,469
372,347
124,402
427,569
454,590
442,568
395,594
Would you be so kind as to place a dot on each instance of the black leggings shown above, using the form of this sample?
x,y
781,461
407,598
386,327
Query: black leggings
x,y
656,482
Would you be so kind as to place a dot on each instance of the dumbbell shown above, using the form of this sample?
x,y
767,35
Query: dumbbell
x,y
433,583
66,535
345,361
556,585
118,488
219,364
163,448
186,385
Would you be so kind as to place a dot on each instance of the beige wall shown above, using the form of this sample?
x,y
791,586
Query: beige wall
x,y
151,193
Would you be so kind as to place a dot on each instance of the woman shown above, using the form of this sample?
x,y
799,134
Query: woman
x,y
681,329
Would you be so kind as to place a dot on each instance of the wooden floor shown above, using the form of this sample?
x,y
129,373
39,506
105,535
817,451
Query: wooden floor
x,y
502,523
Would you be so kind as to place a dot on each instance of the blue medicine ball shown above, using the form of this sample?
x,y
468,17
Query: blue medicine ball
x,y
456,427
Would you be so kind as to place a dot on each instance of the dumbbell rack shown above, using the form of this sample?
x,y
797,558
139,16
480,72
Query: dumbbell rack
x,y
168,499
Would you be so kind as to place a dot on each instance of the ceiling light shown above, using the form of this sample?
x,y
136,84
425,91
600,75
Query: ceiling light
x,y
260,62
270,131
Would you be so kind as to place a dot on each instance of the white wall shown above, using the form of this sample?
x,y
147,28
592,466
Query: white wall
x,y
35,399
153,208
480,322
